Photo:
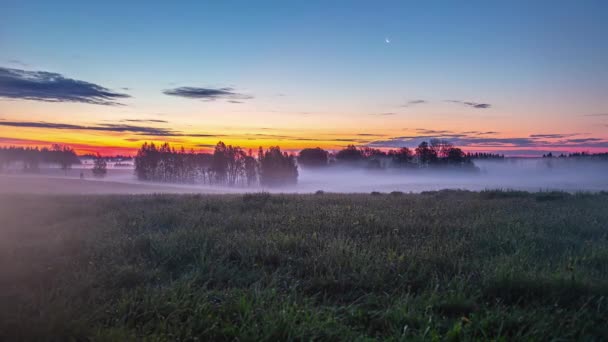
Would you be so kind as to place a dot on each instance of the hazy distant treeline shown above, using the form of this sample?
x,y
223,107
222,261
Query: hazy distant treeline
x,y
228,165
436,153
586,155
29,159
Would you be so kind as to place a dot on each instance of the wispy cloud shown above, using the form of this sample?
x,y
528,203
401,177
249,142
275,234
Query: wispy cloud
x,y
432,131
100,127
53,87
475,139
554,135
597,114
119,128
369,135
472,104
384,114
414,102
208,94
145,120
18,62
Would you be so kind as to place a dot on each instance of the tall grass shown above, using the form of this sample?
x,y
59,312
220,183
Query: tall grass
x,y
439,265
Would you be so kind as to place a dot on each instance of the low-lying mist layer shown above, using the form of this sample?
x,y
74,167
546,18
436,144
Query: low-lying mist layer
x,y
533,174
521,174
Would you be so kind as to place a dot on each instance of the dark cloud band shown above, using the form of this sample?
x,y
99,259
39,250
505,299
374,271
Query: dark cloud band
x,y
472,104
208,94
53,87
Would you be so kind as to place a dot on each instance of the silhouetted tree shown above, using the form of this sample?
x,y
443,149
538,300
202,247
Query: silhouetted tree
x,y
251,169
455,156
425,154
65,156
100,166
313,157
402,157
277,168
440,147
350,154
369,152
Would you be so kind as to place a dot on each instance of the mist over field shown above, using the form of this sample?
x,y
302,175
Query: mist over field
x,y
529,174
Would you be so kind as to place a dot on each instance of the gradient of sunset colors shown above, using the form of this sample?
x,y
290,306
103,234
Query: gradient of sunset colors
x,y
519,77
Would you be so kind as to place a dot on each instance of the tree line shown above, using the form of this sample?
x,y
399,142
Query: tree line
x,y
435,153
30,158
601,155
228,165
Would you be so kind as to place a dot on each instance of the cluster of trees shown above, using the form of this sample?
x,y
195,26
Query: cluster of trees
x,y
228,165
482,155
100,166
428,154
30,158
602,155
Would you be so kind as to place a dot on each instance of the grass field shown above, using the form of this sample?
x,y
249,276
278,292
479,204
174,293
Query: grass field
x,y
434,266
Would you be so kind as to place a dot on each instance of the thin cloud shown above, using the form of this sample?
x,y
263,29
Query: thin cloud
x,y
145,120
208,94
472,104
119,128
554,136
100,127
432,131
53,87
597,114
369,135
414,102
583,140
478,140
480,133
384,114
18,62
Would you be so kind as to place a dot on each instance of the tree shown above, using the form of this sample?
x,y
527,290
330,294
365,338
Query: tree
x,y
277,168
64,156
219,163
402,157
251,169
146,162
425,154
371,153
313,157
440,147
350,154
100,167
455,156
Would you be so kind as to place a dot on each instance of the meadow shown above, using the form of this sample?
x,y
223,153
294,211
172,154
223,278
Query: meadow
x,y
445,265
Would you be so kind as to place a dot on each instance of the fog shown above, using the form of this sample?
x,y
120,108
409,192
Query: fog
x,y
530,174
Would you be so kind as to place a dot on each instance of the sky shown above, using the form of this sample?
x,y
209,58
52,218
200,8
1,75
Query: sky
x,y
514,77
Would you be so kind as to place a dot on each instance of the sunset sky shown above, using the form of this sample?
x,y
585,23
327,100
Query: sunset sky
x,y
520,77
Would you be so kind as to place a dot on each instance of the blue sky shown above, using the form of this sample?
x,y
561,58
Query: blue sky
x,y
540,64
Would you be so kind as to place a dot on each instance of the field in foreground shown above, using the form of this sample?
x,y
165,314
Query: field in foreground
x,y
432,266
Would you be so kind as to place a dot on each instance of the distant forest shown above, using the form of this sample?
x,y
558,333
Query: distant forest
x,y
231,165
228,165
30,159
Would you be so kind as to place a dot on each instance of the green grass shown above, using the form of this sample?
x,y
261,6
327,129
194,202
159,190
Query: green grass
x,y
445,265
